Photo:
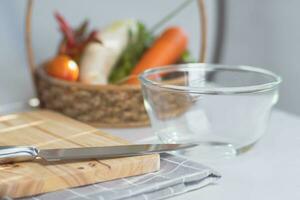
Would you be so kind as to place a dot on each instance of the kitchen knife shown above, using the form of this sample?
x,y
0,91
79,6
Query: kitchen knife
x,y
10,154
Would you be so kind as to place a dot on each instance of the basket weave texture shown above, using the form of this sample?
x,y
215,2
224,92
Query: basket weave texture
x,y
103,106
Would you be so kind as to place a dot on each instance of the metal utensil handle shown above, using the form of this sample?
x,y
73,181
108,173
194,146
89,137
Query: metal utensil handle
x,y
10,154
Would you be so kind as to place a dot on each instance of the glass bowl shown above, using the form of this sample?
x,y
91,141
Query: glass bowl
x,y
224,108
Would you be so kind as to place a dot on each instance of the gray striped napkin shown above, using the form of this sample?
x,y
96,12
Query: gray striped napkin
x,y
176,176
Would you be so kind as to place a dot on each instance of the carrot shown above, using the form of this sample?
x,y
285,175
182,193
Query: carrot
x,y
166,50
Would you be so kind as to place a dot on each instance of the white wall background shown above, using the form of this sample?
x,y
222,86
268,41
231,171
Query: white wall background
x,y
258,32
266,33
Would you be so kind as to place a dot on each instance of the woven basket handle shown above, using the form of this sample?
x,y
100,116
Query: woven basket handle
x,y
28,35
28,39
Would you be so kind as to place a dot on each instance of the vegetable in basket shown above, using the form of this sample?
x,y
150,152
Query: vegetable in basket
x,y
74,41
166,50
63,67
98,59
119,52
131,55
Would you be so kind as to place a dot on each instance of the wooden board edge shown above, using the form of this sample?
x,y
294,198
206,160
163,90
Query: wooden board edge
x,y
154,159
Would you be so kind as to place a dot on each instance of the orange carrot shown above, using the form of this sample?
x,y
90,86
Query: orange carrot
x,y
166,50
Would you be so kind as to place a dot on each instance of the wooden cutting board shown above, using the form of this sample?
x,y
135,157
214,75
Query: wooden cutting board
x,y
46,129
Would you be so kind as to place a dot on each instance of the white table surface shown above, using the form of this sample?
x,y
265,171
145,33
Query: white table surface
x,y
271,170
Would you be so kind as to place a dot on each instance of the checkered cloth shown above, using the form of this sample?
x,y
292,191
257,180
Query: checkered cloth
x,y
176,176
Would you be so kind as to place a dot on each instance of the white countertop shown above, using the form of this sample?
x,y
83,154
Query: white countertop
x,y
271,170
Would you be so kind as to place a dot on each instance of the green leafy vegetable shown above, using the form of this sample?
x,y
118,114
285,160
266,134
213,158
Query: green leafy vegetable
x,y
187,57
131,55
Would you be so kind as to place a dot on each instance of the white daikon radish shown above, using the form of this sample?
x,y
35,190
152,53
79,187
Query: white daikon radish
x,y
98,59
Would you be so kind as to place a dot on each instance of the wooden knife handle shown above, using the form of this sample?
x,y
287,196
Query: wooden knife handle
x,y
11,154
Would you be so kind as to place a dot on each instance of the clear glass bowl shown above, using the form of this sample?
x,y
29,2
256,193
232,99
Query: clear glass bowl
x,y
224,108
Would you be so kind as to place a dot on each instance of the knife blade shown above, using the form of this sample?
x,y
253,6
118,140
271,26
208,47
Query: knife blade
x,y
10,154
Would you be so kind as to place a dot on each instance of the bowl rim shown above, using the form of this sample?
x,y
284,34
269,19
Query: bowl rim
x,y
264,87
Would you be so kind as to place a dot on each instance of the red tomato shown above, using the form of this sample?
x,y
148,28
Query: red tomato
x,y
63,67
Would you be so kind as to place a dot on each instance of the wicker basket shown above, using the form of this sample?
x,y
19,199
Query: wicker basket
x,y
99,105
